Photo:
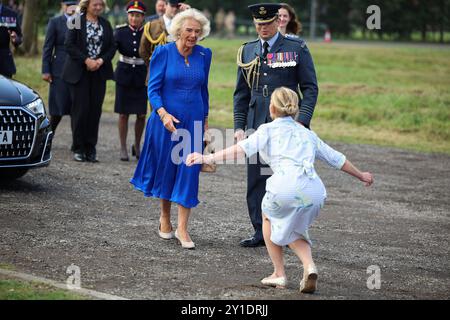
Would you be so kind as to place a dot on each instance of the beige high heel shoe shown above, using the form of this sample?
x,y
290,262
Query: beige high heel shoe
x,y
279,283
185,244
164,235
309,282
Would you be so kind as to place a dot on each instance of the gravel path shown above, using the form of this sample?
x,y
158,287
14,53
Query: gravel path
x,y
89,215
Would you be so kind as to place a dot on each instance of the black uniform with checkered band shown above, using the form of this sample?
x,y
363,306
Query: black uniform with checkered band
x,y
261,69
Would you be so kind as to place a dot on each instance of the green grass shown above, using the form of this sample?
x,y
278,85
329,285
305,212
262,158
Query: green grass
x,y
21,290
375,94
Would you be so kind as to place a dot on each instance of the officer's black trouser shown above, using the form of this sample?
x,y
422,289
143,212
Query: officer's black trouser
x,y
257,174
87,100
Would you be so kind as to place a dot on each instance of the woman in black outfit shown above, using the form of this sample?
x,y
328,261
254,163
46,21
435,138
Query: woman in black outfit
x,y
131,72
88,66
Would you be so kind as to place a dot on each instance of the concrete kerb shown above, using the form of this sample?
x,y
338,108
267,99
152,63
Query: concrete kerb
x,y
85,292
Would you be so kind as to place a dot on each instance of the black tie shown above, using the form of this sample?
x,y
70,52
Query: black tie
x,y
266,49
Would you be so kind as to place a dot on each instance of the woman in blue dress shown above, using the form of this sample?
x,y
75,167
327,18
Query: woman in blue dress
x,y
178,93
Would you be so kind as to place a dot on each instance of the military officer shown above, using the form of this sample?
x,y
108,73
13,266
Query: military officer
x,y
10,32
53,59
156,31
130,75
265,64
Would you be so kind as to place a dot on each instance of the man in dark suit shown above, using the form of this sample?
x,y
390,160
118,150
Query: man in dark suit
x,y
90,49
265,64
10,32
53,59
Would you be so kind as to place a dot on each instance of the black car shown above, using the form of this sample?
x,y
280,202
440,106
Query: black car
x,y
25,132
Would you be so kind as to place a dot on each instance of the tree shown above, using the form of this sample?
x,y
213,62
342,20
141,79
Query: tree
x,y
30,27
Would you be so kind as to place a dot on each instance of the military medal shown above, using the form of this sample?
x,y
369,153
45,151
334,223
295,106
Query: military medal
x,y
282,59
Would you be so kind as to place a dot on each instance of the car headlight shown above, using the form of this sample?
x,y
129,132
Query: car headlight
x,y
37,107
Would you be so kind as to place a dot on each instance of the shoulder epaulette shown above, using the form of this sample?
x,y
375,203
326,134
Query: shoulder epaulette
x,y
121,26
297,40
251,42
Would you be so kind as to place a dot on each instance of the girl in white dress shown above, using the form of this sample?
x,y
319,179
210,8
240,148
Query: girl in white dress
x,y
295,193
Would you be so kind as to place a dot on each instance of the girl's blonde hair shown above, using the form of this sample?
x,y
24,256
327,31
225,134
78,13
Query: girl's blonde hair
x,y
84,4
180,18
285,101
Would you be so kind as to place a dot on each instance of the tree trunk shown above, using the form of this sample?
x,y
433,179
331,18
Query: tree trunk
x,y
424,33
29,27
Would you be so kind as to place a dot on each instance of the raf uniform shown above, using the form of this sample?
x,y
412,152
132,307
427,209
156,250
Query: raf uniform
x,y
131,71
8,23
263,67
53,58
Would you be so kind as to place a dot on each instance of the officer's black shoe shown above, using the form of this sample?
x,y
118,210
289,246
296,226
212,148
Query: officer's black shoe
x,y
91,157
252,243
79,157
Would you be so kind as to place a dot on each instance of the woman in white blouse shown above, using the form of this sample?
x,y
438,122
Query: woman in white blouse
x,y
295,193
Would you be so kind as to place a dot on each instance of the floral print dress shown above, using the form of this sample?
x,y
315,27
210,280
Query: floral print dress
x,y
94,39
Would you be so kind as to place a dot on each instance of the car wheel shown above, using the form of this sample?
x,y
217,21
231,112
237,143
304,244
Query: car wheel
x,y
12,174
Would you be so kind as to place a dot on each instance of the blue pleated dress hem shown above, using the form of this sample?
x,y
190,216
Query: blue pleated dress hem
x,y
161,197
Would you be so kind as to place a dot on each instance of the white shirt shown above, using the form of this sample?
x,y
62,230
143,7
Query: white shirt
x,y
167,22
284,143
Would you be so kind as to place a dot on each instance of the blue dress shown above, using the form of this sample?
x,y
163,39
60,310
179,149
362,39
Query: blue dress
x,y
183,91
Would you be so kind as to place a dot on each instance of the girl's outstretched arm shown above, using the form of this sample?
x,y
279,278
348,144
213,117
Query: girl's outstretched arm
x,y
231,153
365,177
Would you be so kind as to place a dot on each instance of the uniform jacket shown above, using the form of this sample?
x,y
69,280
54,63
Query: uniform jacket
x,y
127,43
156,28
76,49
54,52
251,106
7,66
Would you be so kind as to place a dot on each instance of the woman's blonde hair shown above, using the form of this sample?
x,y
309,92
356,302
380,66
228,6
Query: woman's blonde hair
x,y
285,101
180,18
84,4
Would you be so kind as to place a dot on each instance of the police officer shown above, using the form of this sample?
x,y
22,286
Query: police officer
x,y
265,64
130,75
53,59
10,32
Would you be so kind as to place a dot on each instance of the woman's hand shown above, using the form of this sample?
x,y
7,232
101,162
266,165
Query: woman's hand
x,y
168,121
239,135
13,36
91,64
47,77
206,125
184,6
367,178
99,63
194,158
